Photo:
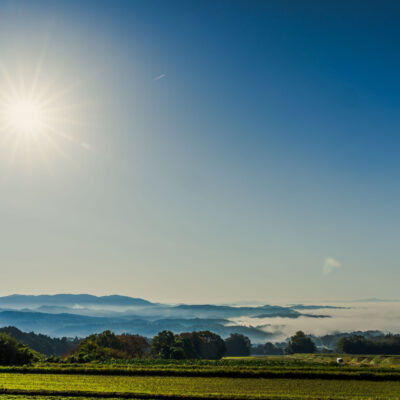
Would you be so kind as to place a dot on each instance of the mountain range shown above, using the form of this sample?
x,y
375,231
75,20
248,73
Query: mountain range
x,y
79,315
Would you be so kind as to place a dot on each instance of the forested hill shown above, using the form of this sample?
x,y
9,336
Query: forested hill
x,y
42,343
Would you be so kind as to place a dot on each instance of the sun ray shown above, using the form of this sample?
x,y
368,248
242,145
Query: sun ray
x,y
38,69
36,116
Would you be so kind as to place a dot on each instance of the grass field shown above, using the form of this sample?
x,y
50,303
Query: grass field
x,y
233,388
299,377
299,366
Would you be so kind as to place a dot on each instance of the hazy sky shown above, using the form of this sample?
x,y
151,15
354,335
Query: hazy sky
x,y
202,151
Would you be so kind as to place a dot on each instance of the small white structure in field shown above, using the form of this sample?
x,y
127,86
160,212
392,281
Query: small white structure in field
x,y
339,360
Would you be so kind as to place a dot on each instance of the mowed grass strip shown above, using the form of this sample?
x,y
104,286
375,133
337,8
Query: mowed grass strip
x,y
234,388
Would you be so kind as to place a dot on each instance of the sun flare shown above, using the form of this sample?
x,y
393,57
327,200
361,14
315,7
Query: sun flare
x,y
25,117
37,119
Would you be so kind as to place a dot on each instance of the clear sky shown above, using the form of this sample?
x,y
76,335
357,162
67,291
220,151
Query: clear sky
x,y
200,151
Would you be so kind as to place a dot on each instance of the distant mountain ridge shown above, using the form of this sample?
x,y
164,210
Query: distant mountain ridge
x,y
72,299
83,314
106,306
376,300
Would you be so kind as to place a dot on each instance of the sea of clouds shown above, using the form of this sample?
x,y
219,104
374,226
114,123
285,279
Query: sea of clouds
x,y
382,316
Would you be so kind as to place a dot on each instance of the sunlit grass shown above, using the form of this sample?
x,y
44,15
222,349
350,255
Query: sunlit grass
x,y
205,387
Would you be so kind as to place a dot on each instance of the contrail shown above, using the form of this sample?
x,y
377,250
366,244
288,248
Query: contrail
x,y
159,77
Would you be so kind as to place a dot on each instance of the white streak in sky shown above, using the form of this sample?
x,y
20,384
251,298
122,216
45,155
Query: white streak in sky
x,y
159,77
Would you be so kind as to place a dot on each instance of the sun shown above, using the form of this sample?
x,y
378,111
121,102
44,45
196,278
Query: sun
x,y
38,119
25,116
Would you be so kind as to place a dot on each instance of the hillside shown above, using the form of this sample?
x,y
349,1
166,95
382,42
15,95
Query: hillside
x,y
41,343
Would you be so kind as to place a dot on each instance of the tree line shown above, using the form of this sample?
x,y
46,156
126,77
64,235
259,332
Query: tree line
x,y
167,345
208,345
357,344
187,345
107,345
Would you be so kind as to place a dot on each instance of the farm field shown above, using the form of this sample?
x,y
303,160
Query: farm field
x,y
301,376
299,366
378,361
36,397
188,387
350,360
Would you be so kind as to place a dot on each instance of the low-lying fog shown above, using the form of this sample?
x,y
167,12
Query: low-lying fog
x,y
365,316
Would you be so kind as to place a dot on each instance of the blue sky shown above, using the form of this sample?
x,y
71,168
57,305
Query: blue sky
x,y
210,151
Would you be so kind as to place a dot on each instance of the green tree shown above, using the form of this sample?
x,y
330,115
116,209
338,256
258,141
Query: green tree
x,y
41,343
271,349
134,346
354,344
178,349
107,345
237,345
300,343
13,352
162,344
96,347
202,344
190,344
357,344
211,345
107,339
